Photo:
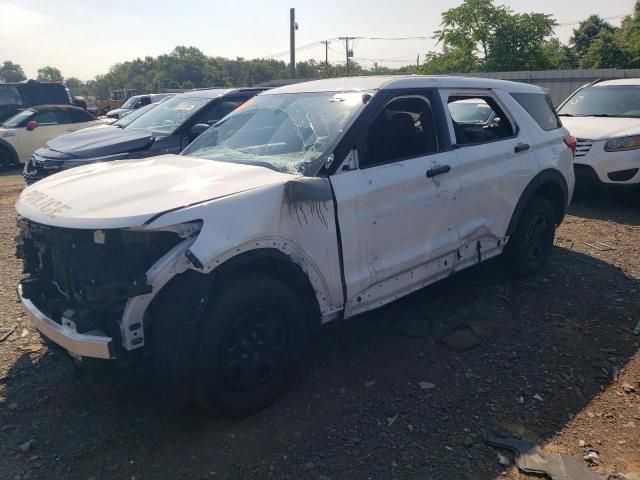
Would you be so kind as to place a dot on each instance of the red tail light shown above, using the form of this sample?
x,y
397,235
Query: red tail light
x,y
572,143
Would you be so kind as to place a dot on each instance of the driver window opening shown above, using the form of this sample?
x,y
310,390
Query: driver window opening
x,y
404,129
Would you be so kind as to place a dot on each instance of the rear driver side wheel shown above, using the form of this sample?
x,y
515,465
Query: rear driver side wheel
x,y
530,245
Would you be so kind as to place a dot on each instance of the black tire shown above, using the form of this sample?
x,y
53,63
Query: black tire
x,y
530,245
251,339
6,161
175,316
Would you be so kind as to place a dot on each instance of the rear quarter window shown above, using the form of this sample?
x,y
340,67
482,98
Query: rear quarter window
x,y
540,107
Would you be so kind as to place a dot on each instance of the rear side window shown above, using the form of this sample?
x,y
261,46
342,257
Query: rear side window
x,y
540,107
9,95
48,117
478,119
78,116
45,94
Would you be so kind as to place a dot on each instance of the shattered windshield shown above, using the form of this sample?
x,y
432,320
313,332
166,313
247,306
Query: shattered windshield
x,y
285,132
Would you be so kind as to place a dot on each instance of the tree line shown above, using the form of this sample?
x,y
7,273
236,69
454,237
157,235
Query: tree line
x,y
480,36
476,36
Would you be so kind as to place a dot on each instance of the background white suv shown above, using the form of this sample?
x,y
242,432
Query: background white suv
x,y
309,203
605,119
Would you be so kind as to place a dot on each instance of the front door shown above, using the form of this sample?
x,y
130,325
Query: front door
x,y
396,205
51,124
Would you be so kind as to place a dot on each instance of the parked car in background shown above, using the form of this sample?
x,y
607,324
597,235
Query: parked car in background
x,y
135,103
310,203
167,128
18,96
30,130
605,118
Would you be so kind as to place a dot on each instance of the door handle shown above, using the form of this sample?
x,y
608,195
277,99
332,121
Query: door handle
x,y
439,170
521,147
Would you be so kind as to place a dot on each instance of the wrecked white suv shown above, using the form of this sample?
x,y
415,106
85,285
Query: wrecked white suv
x,y
310,203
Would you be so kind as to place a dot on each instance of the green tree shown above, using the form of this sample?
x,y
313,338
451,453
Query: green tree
x,y
75,86
451,60
470,27
11,72
480,35
50,74
518,41
605,52
586,33
628,37
558,56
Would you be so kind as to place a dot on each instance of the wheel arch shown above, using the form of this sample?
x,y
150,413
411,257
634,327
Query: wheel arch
x,y
277,264
13,155
549,183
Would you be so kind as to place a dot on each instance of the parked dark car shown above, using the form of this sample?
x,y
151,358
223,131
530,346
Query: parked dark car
x,y
135,103
167,128
18,96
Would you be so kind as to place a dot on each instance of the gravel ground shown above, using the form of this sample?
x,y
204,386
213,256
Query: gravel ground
x,y
556,363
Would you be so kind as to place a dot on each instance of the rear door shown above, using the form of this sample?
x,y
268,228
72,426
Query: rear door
x,y
495,162
396,202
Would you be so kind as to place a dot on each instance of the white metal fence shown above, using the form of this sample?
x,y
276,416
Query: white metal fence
x,y
560,83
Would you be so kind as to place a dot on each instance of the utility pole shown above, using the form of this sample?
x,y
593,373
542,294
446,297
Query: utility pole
x,y
326,57
348,51
418,61
292,40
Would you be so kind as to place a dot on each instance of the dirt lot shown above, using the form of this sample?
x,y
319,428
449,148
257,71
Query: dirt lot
x,y
557,363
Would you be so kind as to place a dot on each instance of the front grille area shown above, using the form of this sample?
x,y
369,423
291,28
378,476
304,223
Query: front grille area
x,y
87,275
38,167
583,147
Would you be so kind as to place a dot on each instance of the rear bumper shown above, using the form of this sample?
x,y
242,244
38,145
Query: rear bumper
x,y
95,344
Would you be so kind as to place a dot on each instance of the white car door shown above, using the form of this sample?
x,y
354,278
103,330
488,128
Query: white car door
x,y
495,163
396,204
51,124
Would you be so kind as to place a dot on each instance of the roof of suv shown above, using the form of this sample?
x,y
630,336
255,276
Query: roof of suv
x,y
215,92
619,81
403,81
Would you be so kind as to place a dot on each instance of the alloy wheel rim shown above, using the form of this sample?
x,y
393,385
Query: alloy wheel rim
x,y
254,348
536,238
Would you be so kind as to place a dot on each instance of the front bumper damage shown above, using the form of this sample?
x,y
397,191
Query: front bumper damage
x,y
93,344
88,290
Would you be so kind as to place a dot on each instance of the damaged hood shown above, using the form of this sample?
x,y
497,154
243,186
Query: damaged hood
x,y
100,142
128,193
601,128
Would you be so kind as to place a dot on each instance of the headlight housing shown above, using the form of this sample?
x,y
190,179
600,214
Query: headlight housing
x,y
622,144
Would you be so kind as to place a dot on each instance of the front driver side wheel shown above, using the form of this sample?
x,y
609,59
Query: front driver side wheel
x,y
251,339
530,245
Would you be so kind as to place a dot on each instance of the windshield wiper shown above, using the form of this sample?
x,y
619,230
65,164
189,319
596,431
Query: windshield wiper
x,y
601,115
566,115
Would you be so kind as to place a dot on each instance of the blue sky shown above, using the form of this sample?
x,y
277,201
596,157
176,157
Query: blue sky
x,y
84,37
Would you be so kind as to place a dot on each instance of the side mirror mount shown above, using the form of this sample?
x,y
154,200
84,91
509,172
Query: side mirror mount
x,y
197,129
32,125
